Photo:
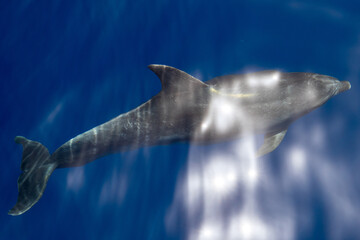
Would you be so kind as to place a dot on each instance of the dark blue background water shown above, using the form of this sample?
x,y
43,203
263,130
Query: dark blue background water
x,y
67,66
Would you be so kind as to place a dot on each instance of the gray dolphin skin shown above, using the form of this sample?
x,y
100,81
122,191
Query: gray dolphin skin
x,y
186,109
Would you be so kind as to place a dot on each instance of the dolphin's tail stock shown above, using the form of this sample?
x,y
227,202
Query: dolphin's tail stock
x,y
37,167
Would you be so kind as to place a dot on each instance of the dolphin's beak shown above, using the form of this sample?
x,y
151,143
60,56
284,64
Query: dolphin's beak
x,y
334,84
342,86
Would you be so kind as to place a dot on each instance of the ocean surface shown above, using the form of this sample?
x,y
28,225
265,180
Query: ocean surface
x,y
67,66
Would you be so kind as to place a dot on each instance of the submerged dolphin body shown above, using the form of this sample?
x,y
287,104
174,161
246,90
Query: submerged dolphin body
x,y
186,109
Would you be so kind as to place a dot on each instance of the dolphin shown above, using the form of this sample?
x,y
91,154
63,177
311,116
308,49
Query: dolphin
x,y
186,109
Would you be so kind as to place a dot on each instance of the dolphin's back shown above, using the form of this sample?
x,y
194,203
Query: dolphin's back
x,y
170,116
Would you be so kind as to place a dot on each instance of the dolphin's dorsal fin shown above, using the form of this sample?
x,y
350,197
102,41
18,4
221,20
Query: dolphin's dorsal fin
x,y
175,80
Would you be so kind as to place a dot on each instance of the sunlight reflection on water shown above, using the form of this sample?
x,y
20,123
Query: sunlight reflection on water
x,y
264,205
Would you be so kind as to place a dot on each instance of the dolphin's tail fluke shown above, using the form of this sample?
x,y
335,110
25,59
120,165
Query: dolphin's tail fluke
x,y
37,167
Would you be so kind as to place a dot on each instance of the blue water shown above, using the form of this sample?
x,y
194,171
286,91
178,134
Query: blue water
x,y
67,66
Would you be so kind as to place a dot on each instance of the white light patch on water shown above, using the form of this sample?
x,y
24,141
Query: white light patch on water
x,y
75,179
218,176
253,175
318,136
248,226
342,199
213,181
52,115
229,194
46,126
231,179
208,231
194,188
114,189
296,164
205,125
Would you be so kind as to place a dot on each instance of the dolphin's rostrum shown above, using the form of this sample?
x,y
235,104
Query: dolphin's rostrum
x,y
186,109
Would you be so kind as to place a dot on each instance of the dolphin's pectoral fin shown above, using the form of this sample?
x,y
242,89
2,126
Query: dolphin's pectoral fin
x,y
271,141
37,168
